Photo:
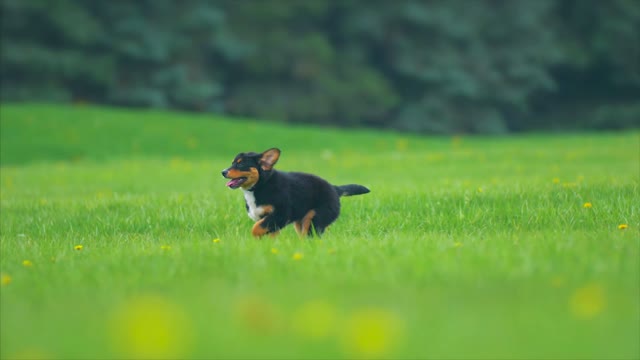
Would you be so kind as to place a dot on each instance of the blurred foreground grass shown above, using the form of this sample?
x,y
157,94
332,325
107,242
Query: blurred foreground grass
x,y
118,239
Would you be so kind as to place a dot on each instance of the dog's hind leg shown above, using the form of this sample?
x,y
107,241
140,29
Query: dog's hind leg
x,y
303,227
324,216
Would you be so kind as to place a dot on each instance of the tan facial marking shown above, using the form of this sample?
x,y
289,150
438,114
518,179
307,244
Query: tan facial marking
x,y
252,176
235,173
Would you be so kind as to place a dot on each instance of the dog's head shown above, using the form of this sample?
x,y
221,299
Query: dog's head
x,y
247,168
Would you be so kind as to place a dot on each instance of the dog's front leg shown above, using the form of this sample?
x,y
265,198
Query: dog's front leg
x,y
264,226
259,229
270,224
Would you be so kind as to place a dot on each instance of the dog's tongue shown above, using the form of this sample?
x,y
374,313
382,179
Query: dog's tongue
x,y
234,182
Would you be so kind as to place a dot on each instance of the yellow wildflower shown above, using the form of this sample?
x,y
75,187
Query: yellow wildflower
x,y
587,302
587,205
5,279
298,256
556,181
314,320
148,327
78,247
216,240
457,244
274,250
402,144
165,247
623,226
27,263
372,333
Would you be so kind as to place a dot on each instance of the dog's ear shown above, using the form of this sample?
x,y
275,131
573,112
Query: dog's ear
x,y
269,158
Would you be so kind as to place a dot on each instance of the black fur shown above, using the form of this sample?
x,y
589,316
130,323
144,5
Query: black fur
x,y
351,189
292,195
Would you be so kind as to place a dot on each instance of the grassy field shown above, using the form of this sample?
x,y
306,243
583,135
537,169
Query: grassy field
x,y
119,239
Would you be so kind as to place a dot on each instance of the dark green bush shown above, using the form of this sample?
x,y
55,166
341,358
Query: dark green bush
x,y
481,66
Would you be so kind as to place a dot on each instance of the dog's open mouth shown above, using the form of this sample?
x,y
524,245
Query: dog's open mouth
x,y
235,183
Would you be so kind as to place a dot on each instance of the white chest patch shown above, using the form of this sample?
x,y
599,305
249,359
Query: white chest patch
x,y
254,212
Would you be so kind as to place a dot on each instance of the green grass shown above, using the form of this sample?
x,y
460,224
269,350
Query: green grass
x,y
465,248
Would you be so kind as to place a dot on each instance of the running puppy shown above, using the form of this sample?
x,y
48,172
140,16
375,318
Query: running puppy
x,y
275,199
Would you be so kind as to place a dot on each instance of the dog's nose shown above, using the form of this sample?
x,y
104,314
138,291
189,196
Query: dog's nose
x,y
224,172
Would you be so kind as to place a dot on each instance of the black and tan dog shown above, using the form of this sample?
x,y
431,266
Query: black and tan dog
x,y
275,199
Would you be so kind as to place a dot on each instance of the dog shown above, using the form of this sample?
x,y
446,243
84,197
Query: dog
x,y
274,199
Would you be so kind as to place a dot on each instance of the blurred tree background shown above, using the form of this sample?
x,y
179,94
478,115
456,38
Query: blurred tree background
x,y
428,66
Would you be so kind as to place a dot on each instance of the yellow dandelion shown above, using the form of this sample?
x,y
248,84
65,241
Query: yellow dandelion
x,y
78,247
27,263
435,158
480,190
297,256
457,244
274,250
165,247
587,302
148,327
587,205
176,162
216,240
314,320
371,333
402,144
5,279
556,181
623,226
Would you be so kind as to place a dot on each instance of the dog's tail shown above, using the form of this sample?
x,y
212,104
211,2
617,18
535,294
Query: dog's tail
x,y
351,189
